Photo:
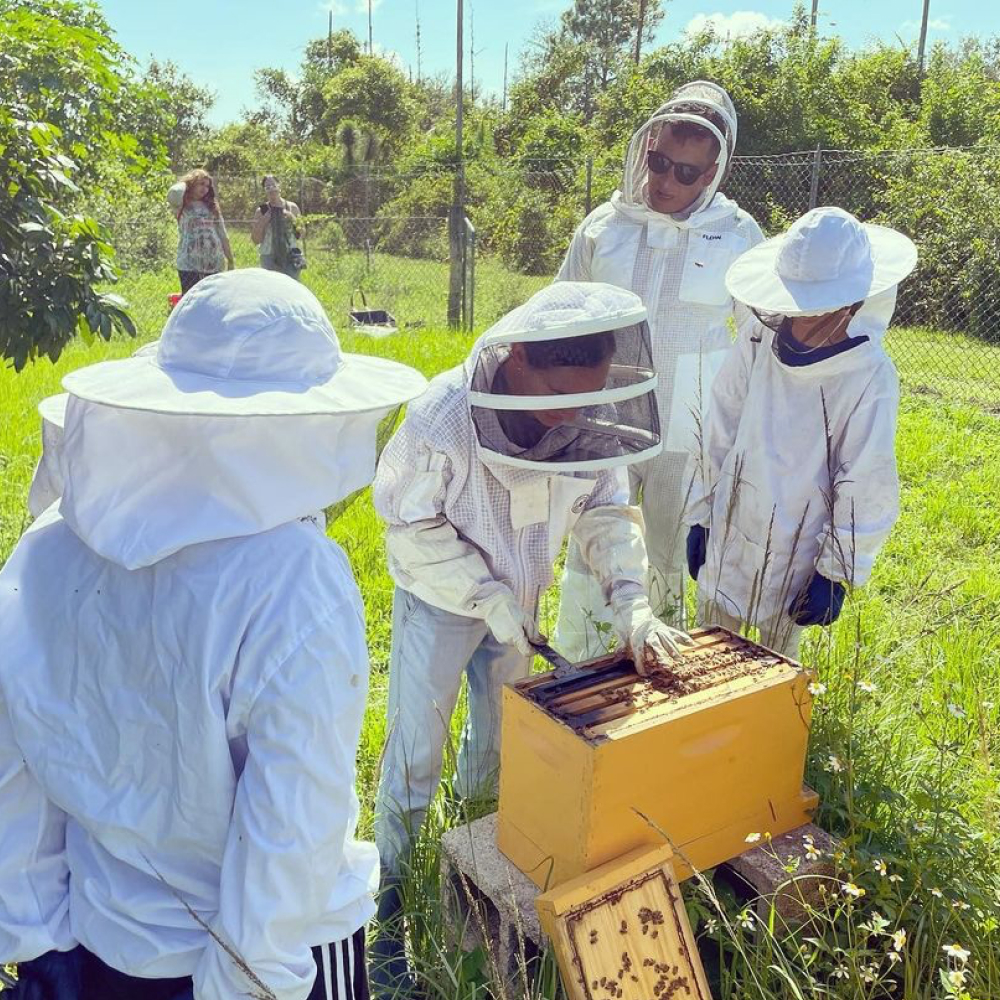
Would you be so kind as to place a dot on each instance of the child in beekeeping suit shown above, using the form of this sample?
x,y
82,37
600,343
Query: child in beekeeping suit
x,y
492,467
184,669
799,487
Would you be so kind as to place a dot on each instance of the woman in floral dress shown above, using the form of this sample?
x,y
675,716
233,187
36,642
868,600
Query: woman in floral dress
x,y
204,243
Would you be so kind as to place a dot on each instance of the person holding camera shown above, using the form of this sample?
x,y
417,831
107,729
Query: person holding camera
x,y
273,229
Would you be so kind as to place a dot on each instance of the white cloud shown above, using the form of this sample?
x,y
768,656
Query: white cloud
x,y
739,24
335,7
934,24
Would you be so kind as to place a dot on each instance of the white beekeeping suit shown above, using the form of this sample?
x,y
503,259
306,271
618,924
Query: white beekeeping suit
x,y
452,462
799,474
676,264
184,668
477,515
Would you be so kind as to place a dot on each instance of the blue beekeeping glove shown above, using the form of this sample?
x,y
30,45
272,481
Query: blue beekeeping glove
x,y
697,546
819,602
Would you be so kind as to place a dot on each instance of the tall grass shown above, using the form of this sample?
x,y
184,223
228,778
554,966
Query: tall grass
x,y
905,743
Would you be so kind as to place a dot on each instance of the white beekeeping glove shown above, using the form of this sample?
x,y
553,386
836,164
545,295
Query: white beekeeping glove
x,y
652,643
510,623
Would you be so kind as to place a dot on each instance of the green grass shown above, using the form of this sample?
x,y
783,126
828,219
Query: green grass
x,y
947,364
414,290
908,771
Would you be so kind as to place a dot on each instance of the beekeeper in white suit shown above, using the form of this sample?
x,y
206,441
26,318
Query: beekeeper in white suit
x,y
492,467
669,236
799,489
184,668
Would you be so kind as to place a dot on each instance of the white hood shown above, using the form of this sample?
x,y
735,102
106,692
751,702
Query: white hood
x,y
247,417
140,486
691,103
610,426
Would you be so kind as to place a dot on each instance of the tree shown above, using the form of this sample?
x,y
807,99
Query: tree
x,y
183,103
607,29
68,92
299,104
372,93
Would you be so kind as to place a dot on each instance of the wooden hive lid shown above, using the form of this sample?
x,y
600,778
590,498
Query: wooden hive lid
x,y
620,932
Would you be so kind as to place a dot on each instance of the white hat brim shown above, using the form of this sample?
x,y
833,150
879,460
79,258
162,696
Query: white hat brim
x,y
754,280
361,384
53,408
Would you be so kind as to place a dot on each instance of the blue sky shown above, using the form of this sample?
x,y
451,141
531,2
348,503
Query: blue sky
x,y
220,42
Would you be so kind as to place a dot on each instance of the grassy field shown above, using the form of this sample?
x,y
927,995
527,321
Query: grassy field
x,y
906,743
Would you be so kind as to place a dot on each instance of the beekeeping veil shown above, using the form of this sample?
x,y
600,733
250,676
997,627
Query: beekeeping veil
x,y
247,415
697,102
827,261
564,383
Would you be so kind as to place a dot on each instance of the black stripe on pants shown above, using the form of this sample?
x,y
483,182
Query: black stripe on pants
x,y
81,975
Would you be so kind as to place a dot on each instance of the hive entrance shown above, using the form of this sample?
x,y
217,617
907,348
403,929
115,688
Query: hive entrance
x,y
607,690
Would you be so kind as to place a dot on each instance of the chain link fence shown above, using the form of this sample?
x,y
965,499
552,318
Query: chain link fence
x,y
383,237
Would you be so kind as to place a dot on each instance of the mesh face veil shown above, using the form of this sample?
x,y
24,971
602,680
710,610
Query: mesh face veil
x,y
693,103
565,382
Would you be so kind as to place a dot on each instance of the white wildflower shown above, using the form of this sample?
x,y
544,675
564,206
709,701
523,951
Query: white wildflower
x,y
957,952
956,978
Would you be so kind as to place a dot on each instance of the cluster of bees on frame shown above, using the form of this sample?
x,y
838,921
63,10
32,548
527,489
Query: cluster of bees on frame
x,y
669,981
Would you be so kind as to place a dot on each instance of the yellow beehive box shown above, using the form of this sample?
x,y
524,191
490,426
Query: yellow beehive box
x,y
621,932
593,763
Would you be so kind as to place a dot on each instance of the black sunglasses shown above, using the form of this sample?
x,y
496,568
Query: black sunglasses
x,y
685,173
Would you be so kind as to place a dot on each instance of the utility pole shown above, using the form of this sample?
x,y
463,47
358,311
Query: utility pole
x,y
641,23
371,51
416,7
922,45
813,17
329,44
457,214
472,54
503,105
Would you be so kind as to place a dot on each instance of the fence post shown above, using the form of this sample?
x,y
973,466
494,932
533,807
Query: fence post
x,y
814,179
469,280
590,181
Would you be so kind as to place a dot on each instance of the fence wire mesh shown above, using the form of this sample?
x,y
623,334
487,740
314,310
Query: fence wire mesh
x,y
383,236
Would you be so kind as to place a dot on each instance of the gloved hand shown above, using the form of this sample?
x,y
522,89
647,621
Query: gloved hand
x,y
819,602
652,643
510,623
697,548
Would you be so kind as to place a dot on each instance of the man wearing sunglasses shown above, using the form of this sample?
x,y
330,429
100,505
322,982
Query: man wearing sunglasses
x,y
668,235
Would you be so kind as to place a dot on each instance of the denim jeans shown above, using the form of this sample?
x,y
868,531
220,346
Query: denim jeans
x,y
431,650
